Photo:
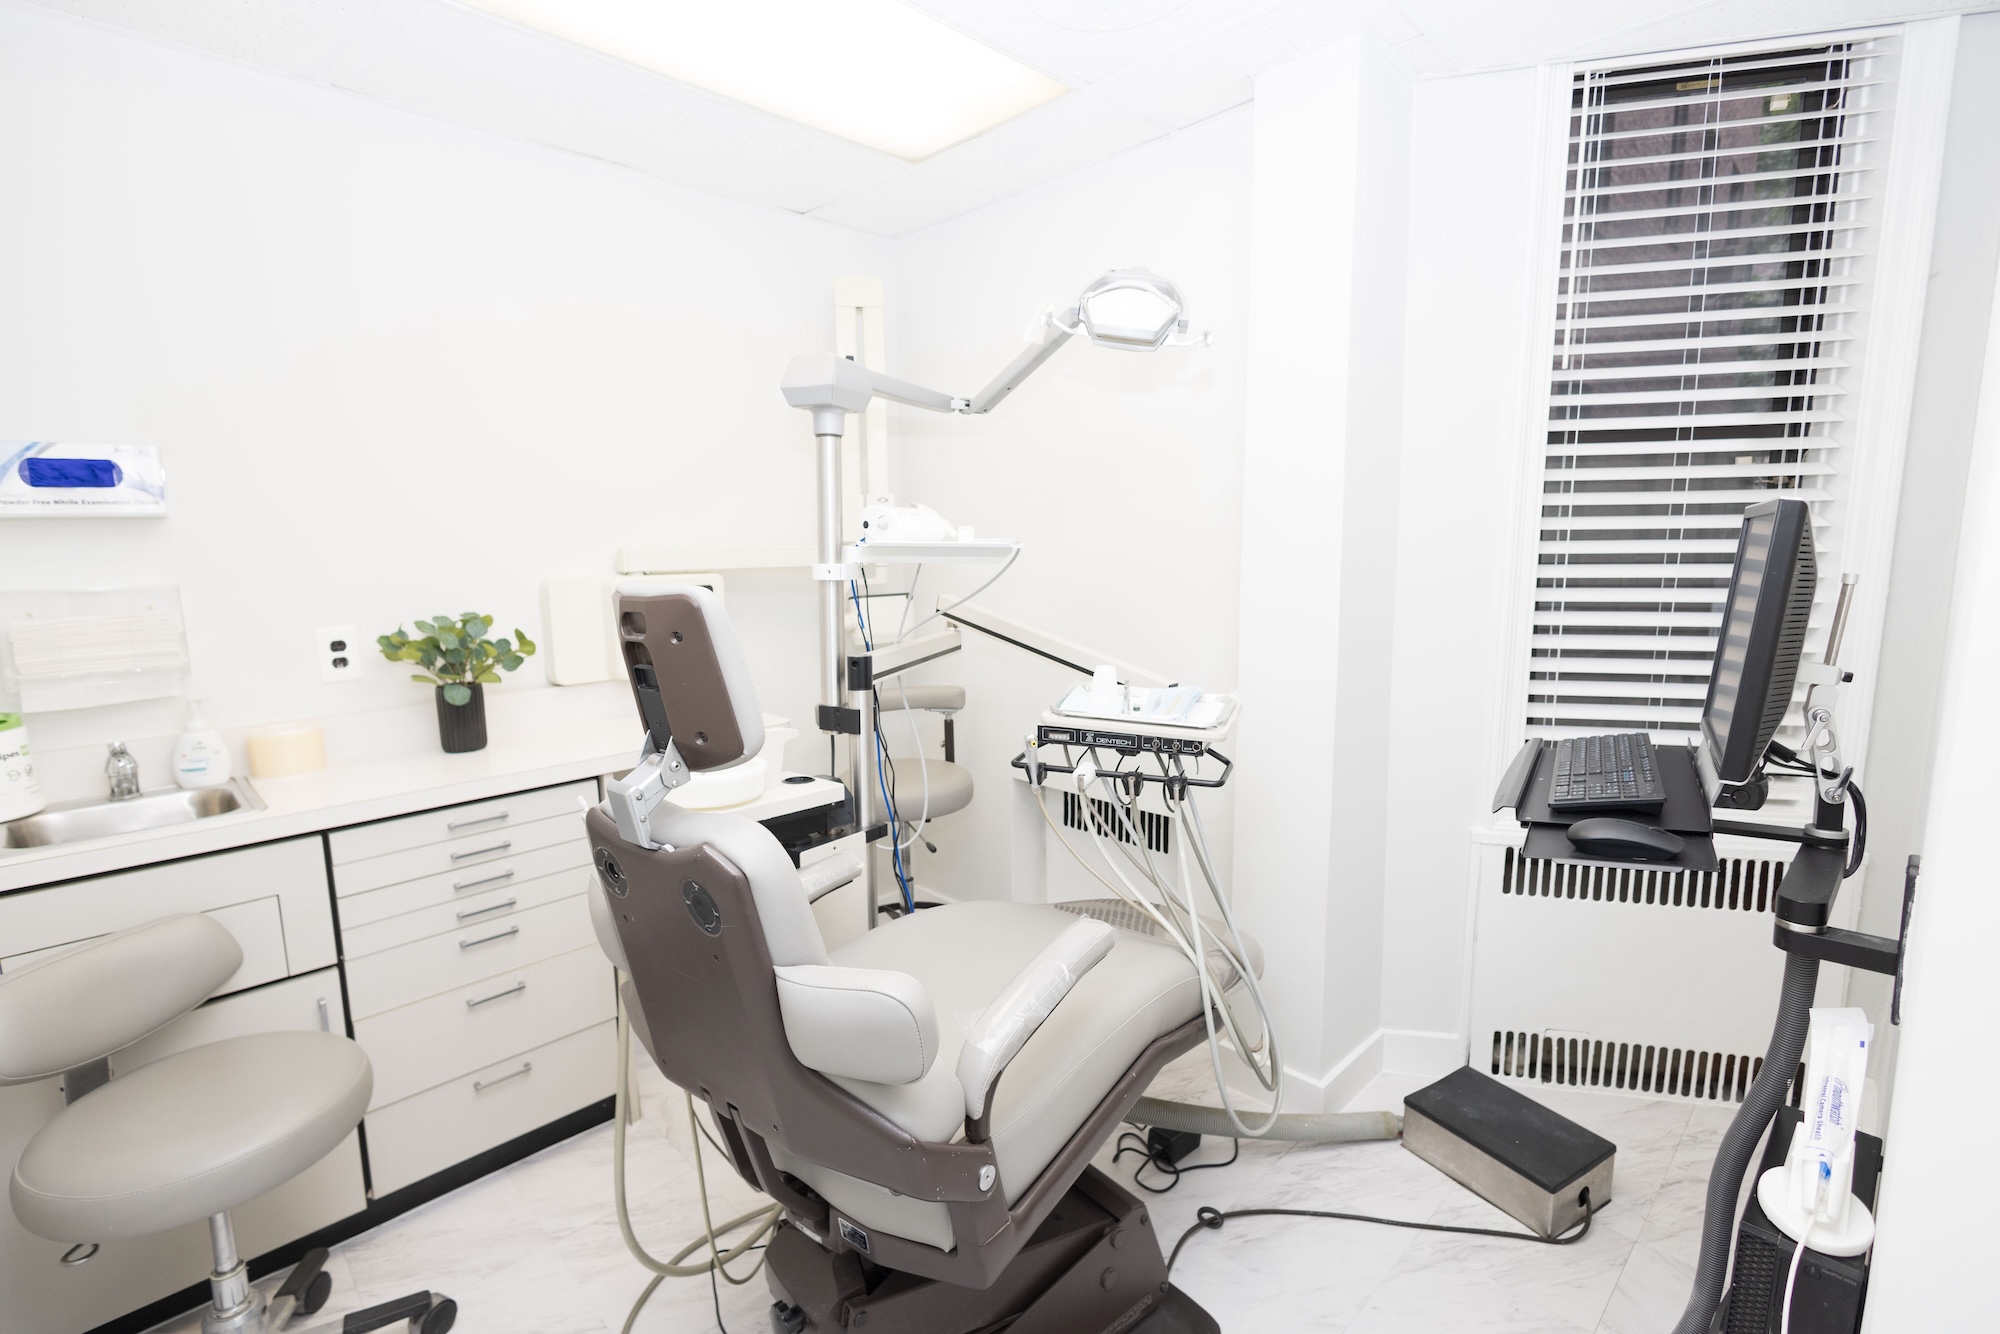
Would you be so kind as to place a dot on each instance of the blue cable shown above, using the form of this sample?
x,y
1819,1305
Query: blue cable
x,y
881,768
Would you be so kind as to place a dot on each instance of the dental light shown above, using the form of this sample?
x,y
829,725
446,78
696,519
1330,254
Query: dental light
x,y
1130,309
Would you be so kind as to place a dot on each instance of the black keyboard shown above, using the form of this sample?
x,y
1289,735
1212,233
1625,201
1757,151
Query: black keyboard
x,y
1616,770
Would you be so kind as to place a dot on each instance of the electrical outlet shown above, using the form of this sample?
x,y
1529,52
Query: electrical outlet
x,y
340,653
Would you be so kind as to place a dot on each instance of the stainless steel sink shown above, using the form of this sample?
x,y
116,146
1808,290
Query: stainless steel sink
x,y
77,821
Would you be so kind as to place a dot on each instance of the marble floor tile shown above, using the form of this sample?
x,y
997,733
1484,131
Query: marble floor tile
x,y
536,1247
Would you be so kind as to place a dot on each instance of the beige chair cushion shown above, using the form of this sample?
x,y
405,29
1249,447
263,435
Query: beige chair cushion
x,y
71,1008
190,1135
950,788
965,954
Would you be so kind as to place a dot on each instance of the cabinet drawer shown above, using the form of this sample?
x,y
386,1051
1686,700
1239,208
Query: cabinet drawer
x,y
291,872
423,1044
473,950
469,881
259,928
476,817
482,848
507,899
301,1004
411,1139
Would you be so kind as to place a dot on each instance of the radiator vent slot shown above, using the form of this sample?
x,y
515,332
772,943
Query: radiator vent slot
x,y
1740,884
1633,1067
1154,826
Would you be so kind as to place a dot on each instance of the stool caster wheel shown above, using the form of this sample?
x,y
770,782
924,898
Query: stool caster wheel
x,y
439,1319
316,1293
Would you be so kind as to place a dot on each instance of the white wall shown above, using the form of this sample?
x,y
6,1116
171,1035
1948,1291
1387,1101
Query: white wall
x,y
1464,452
394,367
1330,188
1931,1251
1119,471
1907,718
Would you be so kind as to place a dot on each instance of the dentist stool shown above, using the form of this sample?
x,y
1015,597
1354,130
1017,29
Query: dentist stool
x,y
189,1136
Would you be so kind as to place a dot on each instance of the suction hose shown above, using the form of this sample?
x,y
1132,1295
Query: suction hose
x,y
1304,1128
1725,1179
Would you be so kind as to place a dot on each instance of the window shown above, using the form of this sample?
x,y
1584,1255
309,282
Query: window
x,y
1711,276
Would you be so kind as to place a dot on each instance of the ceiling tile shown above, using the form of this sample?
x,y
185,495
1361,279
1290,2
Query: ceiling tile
x,y
726,148
469,67
303,40
1310,24
1196,82
1482,36
915,199
1078,49
1073,131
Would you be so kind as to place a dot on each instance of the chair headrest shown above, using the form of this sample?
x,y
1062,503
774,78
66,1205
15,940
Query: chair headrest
x,y
687,672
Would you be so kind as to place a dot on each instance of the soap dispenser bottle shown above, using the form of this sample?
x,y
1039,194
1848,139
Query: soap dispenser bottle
x,y
200,758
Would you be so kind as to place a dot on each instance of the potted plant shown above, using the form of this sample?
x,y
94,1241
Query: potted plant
x,y
459,661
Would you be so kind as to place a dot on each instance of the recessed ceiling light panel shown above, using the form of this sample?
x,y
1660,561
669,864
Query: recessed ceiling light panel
x,y
873,71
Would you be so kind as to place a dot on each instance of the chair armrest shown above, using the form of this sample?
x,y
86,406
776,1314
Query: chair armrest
x,y
861,1023
1005,1026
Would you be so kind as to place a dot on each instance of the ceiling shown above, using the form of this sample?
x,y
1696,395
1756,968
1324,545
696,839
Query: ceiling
x,y
1138,70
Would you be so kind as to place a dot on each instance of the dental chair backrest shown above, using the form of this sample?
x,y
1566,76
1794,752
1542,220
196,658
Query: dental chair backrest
x,y
679,646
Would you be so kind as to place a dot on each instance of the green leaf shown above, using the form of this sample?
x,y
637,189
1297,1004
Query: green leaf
x,y
427,627
527,649
457,694
502,648
446,639
424,680
512,662
409,653
488,678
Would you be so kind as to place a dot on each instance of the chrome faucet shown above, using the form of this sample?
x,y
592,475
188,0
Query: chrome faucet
x,y
123,771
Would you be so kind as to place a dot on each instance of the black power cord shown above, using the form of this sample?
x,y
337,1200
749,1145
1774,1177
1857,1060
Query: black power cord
x,y
1208,1218
1787,760
1159,1160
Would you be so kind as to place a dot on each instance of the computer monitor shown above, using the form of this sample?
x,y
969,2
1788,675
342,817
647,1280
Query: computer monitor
x,y
1757,649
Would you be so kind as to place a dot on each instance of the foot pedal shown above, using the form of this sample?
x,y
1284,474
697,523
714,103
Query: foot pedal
x,y
1509,1150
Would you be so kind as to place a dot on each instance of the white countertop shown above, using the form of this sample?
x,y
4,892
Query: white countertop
x,y
381,766
537,739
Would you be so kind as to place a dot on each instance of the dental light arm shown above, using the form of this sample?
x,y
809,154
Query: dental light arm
x,y
1129,309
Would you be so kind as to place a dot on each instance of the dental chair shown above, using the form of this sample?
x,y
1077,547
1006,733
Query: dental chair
x,y
186,1137
924,1102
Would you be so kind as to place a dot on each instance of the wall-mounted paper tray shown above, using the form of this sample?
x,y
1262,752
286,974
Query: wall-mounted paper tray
x,y
79,649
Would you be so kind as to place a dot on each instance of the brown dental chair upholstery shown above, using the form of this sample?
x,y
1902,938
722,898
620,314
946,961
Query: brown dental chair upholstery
x,y
923,1102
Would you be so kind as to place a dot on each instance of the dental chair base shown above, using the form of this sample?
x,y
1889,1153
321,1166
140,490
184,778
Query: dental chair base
x,y
1093,1267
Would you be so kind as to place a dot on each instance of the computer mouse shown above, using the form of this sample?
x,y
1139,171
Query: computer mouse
x,y
1625,840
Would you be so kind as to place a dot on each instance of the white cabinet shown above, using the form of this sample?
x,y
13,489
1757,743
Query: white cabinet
x,y
473,978
272,897
39,1295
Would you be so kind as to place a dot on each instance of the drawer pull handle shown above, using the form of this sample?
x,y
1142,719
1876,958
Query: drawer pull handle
x,y
488,940
481,852
475,1004
498,817
500,879
502,906
481,1085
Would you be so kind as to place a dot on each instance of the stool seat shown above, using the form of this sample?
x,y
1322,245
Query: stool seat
x,y
190,1135
950,788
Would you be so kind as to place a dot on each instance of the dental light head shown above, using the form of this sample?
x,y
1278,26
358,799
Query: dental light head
x,y
1129,309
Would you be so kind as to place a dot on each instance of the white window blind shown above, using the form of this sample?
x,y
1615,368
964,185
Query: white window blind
x,y
1712,275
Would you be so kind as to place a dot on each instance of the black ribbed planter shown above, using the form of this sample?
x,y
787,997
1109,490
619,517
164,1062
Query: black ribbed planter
x,y
462,727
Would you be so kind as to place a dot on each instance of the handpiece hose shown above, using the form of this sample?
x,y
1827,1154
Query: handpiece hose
x,y
1732,1160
